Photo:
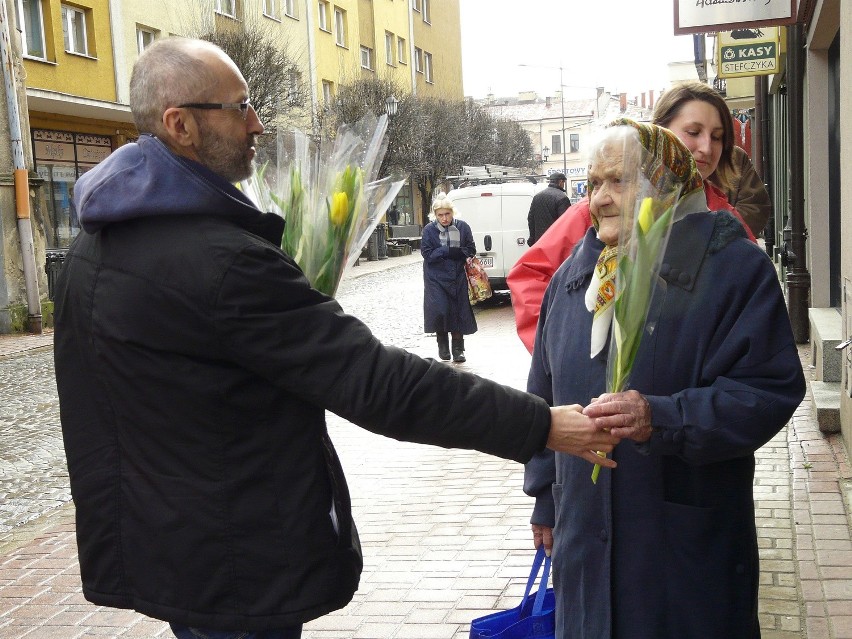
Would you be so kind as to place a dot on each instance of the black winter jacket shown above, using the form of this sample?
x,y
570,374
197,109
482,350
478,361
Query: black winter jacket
x,y
194,364
546,207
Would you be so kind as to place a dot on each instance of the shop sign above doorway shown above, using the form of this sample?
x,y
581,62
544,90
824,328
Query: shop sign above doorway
x,y
747,52
712,16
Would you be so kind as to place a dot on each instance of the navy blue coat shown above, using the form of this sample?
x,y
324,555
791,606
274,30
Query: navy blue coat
x,y
665,546
446,305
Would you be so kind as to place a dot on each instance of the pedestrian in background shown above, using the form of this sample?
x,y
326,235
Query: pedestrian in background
x,y
547,206
699,117
664,546
194,366
393,216
446,245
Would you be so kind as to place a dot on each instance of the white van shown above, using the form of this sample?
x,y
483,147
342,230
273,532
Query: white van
x,y
497,214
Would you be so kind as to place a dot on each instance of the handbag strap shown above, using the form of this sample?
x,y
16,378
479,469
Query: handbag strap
x,y
542,587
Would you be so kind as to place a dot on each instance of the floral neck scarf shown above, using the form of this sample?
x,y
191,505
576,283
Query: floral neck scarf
x,y
600,296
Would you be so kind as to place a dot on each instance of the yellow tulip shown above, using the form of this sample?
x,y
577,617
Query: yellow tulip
x,y
339,208
646,215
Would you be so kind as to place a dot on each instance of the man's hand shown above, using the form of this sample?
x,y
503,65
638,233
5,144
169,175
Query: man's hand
x,y
543,535
573,433
625,415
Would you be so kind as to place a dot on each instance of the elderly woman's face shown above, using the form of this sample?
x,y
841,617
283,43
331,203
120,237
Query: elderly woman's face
x,y
611,192
444,216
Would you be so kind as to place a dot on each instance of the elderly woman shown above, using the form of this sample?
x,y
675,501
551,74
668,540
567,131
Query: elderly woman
x,y
446,245
664,545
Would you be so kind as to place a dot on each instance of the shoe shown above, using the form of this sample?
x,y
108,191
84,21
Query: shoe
x,y
443,346
458,350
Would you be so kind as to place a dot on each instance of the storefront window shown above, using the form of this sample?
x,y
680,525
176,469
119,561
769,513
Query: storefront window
x,y
60,158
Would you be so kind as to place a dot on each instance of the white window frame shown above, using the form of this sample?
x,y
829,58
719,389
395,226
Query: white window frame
x,y
222,7
574,142
327,92
401,50
270,9
425,9
75,41
323,16
290,9
141,32
27,29
415,4
418,60
389,49
294,81
366,58
340,26
427,66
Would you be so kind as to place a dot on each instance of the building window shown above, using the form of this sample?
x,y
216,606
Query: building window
x,y
401,51
294,86
227,7
327,92
270,9
418,60
144,38
323,16
74,30
389,48
60,158
366,58
427,17
556,144
574,142
340,26
32,31
427,66
290,8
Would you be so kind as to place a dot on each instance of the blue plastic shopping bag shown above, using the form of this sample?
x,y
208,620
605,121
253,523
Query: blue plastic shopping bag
x,y
534,618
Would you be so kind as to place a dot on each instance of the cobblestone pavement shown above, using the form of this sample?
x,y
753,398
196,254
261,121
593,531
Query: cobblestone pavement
x,y
445,532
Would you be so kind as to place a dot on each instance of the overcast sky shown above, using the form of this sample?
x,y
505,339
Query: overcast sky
x,y
621,45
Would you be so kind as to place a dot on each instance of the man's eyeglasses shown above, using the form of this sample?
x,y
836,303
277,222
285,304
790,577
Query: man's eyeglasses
x,y
213,106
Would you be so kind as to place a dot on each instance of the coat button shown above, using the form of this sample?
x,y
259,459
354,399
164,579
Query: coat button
x,y
664,269
684,278
674,273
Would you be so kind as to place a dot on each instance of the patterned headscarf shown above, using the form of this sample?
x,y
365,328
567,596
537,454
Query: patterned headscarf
x,y
666,162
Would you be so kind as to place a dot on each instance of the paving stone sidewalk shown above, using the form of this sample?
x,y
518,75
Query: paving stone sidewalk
x,y
446,534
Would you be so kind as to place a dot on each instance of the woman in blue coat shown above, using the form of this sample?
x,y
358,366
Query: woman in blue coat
x,y
446,245
664,546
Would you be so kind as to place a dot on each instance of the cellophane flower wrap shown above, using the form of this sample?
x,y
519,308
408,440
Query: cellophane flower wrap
x,y
652,197
328,195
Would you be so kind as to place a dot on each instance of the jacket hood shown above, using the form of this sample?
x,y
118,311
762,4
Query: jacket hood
x,y
146,179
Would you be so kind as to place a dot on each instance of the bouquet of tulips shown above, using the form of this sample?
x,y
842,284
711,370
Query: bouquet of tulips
x,y
328,195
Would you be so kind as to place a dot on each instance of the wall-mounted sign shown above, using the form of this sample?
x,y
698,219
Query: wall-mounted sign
x,y
747,52
712,16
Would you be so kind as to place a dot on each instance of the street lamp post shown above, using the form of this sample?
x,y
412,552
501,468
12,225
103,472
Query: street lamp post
x,y
545,153
562,102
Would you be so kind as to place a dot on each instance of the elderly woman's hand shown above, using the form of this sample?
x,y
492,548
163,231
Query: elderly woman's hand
x,y
626,415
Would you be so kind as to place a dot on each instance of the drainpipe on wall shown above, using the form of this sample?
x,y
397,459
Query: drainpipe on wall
x,y
795,234
759,156
21,176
